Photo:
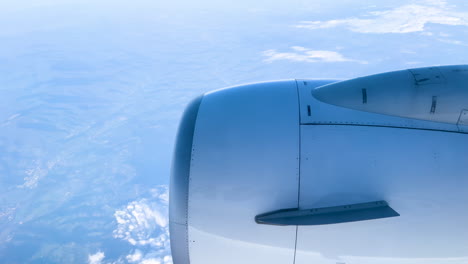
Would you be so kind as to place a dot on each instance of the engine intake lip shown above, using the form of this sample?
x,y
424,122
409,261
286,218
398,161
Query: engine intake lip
x,y
179,184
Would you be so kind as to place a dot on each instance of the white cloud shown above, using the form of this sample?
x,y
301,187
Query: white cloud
x,y
96,258
452,41
39,170
413,62
135,257
403,19
151,261
140,258
7,213
307,55
144,223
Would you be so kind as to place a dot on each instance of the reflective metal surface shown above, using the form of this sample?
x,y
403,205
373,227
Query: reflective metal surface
x,y
265,147
245,160
434,93
178,207
422,174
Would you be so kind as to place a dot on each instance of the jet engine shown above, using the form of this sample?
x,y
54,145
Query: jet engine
x,y
368,170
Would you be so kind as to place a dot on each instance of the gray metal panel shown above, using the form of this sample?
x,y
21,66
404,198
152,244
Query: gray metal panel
x,y
422,175
430,75
463,121
463,118
179,243
434,94
179,186
245,161
323,113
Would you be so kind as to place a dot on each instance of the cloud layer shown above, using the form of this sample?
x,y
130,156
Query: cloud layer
x,y
403,19
144,224
302,54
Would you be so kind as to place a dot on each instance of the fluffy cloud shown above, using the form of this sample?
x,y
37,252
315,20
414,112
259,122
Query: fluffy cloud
x,y
96,258
403,19
144,224
135,257
306,55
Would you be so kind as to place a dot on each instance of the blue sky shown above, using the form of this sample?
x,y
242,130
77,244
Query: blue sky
x,y
92,93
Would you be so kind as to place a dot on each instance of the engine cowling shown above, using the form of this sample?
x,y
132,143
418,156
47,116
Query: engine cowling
x,y
267,173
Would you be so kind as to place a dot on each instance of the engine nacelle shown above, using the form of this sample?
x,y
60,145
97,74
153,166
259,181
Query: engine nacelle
x,y
266,173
